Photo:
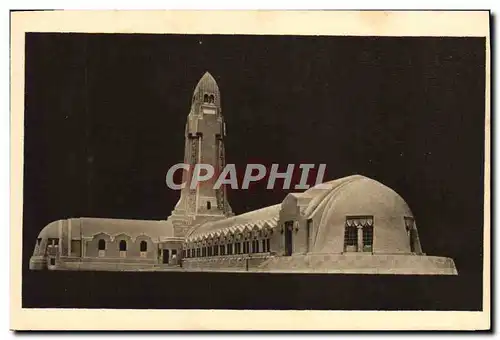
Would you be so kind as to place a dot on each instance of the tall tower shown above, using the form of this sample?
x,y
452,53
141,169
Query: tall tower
x,y
205,132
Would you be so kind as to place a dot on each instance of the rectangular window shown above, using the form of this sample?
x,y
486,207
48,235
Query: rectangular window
x,y
308,234
268,245
362,226
351,238
230,249
412,233
367,238
53,241
413,240
210,251
255,246
222,250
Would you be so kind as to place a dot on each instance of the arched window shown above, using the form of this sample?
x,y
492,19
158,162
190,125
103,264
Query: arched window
x,y
102,244
144,246
205,98
123,245
211,99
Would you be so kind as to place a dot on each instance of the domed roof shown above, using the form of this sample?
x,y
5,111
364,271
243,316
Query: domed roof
x,y
331,203
51,230
207,85
260,218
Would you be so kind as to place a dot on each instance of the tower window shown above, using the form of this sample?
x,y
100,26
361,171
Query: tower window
x,y
211,99
209,205
123,245
144,246
102,244
205,98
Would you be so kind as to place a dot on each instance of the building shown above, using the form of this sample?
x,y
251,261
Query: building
x,y
349,225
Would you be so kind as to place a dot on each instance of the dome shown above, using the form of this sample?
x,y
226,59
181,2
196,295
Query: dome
x,y
207,86
51,230
88,227
260,218
335,202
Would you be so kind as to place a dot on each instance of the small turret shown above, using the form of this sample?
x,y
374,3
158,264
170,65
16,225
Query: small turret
x,y
206,93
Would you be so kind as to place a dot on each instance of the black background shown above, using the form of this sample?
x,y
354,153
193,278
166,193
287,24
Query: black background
x,y
104,120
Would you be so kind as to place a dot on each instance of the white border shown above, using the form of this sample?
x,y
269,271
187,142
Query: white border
x,y
242,22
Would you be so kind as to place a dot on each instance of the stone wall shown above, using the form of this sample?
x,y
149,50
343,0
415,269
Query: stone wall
x,y
223,263
359,263
112,246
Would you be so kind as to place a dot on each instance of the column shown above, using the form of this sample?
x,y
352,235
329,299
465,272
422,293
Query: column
x,y
360,238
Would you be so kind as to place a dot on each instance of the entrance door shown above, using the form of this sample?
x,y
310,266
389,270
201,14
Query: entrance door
x,y
166,255
288,238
